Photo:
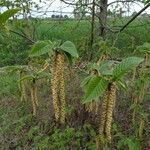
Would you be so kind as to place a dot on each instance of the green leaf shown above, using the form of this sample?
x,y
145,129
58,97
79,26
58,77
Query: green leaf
x,y
122,84
41,47
70,48
26,77
41,75
145,48
133,144
95,88
7,14
85,81
70,59
126,65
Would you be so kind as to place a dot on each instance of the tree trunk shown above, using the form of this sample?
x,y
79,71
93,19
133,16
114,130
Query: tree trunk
x,y
103,18
92,30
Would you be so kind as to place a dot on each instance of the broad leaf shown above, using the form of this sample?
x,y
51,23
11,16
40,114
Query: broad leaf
x,y
70,48
41,47
7,14
122,84
145,48
85,81
95,88
126,65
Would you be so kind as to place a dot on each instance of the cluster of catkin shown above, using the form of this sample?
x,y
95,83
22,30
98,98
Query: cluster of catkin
x,y
138,99
58,87
34,97
108,105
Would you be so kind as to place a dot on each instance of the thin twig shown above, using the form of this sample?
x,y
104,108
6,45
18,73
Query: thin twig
x,y
22,35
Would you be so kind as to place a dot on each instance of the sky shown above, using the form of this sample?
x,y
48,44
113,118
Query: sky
x,y
57,6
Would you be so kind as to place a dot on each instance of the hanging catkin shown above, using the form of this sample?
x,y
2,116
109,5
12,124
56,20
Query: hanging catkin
x,y
103,114
62,90
92,107
110,108
35,93
58,87
54,84
33,97
23,91
22,88
107,112
141,128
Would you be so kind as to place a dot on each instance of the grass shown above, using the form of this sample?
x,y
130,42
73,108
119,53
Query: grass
x,y
79,33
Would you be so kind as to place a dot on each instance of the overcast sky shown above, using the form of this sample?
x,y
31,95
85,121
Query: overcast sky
x,y
57,5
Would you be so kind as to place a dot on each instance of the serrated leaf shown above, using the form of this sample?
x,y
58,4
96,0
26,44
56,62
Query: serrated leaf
x,y
41,47
70,48
126,65
7,14
95,88
85,81
122,84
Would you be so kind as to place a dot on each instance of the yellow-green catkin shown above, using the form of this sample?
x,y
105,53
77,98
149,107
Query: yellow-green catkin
x,y
142,93
55,84
22,88
35,93
45,66
92,107
134,75
23,91
135,102
103,114
141,128
62,90
102,58
33,97
110,108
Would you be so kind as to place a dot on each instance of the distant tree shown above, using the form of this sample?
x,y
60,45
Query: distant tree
x,y
80,9
60,16
53,16
66,16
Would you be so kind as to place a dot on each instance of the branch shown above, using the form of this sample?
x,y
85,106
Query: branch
x,y
69,3
120,1
134,17
15,32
